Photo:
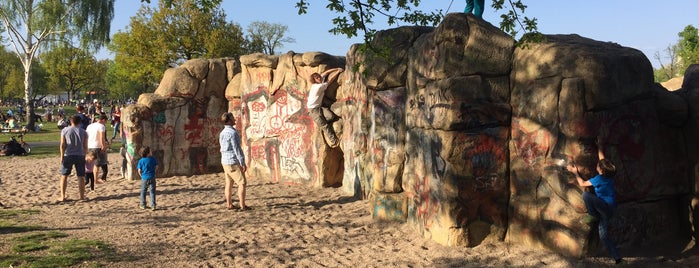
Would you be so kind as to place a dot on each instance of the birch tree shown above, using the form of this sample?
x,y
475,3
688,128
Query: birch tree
x,y
32,24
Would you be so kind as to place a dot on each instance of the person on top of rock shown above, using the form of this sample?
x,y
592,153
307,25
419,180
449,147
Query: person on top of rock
x,y
317,106
601,204
475,6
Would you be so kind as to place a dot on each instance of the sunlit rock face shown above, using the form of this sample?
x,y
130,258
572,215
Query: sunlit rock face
x,y
454,130
180,121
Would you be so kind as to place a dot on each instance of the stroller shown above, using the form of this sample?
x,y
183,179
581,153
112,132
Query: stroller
x,y
14,147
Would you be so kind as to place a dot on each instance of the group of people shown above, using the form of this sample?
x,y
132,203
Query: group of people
x,y
84,146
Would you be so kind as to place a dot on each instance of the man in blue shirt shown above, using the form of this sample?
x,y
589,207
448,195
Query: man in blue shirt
x,y
233,161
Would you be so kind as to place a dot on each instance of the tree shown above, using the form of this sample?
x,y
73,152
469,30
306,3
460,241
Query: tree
x,y
9,67
169,36
355,16
32,23
119,84
670,70
688,47
269,35
72,70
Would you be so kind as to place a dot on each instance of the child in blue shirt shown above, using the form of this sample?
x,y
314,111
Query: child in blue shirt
x,y
146,169
601,204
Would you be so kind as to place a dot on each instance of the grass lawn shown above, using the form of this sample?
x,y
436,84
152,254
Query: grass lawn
x,y
50,133
37,246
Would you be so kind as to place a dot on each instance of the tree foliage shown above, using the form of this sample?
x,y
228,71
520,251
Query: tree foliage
x,y
11,75
31,24
357,17
119,84
170,35
268,36
688,46
72,70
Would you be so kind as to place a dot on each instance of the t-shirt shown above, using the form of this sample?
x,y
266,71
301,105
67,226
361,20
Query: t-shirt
x,y
315,95
604,188
90,166
84,120
147,167
74,137
92,133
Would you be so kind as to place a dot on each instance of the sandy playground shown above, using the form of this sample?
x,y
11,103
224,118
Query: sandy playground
x,y
289,226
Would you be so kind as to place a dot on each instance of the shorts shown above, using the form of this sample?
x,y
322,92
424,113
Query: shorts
x,y
101,159
233,172
73,160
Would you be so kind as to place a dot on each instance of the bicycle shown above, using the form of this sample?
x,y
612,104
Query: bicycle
x,y
16,147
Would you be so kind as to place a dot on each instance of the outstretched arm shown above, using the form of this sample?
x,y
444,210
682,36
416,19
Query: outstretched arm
x,y
332,74
600,152
574,169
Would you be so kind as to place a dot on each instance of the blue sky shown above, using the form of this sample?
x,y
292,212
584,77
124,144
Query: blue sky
x,y
649,28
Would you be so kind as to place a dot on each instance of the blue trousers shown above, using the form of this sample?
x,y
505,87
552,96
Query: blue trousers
x,y
476,6
604,212
150,186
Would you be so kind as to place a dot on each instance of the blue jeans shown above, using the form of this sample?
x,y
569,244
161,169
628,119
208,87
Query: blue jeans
x,y
117,129
150,185
476,6
599,209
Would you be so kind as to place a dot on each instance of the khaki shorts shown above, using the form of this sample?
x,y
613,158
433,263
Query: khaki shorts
x,y
233,172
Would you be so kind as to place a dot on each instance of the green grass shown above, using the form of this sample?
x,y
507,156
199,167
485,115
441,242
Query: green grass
x,y
50,132
34,246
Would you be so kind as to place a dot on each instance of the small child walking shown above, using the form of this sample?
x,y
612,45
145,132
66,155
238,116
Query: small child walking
x,y
146,169
90,158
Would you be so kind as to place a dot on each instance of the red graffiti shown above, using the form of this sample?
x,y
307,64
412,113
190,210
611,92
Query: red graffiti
x,y
530,146
258,107
165,134
257,152
426,209
281,98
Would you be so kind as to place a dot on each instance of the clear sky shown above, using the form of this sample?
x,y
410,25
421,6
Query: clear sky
x,y
636,24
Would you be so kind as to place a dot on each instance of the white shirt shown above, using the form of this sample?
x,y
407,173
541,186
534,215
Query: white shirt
x,y
315,95
92,131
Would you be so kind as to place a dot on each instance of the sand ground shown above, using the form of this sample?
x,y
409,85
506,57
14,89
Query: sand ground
x,y
289,226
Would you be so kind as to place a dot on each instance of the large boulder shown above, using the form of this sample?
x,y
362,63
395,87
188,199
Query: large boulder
x,y
179,121
457,133
280,139
570,95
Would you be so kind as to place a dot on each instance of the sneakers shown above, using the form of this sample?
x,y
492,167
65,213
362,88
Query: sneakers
x,y
589,219
144,207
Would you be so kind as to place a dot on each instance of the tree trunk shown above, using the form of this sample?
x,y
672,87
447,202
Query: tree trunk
x,y
29,104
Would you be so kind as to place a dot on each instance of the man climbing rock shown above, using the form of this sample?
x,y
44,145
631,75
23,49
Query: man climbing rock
x,y
316,107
